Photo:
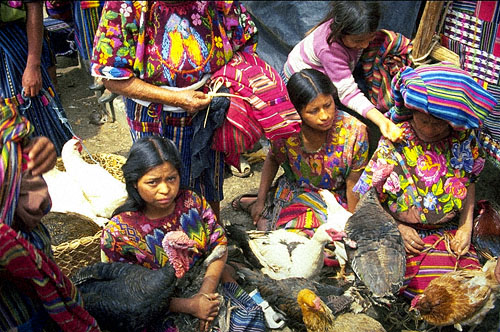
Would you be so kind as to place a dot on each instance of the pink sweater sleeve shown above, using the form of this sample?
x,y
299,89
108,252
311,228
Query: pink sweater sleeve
x,y
335,60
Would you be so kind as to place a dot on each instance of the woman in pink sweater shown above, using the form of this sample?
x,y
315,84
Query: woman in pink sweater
x,y
334,47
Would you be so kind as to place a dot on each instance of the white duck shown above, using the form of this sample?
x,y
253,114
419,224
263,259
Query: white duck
x,y
337,217
84,188
284,254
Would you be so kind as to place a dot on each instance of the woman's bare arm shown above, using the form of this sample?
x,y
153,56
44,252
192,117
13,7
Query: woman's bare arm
x,y
191,101
32,76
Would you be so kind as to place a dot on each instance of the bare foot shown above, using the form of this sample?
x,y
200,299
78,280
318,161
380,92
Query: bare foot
x,y
244,203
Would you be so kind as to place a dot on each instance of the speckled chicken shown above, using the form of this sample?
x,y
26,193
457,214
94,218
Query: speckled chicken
x,y
318,317
486,231
282,294
459,298
379,260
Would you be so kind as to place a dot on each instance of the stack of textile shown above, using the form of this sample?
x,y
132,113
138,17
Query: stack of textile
x,y
471,29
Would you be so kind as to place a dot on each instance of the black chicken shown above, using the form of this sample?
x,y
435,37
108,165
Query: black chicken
x,y
379,260
126,297
282,294
486,231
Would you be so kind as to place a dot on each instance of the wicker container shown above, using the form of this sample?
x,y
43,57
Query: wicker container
x,y
73,255
110,162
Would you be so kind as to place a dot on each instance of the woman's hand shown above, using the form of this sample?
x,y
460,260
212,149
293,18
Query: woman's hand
x,y
32,80
205,307
193,101
461,243
386,126
42,155
413,243
390,130
256,211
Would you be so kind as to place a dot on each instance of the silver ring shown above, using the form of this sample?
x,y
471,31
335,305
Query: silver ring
x,y
412,243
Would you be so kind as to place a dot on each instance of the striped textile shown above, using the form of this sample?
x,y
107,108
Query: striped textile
x,y
238,133
267,111
380,64
472,30
18,308
41,111
152,120
86,16
13,130
477,40
305,211
442,90
246,315
434,262
32,269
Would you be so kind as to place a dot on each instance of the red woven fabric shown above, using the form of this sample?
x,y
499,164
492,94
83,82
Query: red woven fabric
x,y
32,269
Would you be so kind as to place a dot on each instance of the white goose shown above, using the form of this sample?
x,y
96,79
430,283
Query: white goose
x,y
284,254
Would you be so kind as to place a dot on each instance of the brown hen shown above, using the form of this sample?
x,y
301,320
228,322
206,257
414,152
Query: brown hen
x,y
486,232
319,318
459,298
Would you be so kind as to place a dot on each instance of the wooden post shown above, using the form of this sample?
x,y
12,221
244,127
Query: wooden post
x,y
427,28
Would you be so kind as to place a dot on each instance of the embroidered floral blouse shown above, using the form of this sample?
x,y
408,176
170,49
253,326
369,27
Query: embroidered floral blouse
x,y
432,184
345,150
167,43
132,237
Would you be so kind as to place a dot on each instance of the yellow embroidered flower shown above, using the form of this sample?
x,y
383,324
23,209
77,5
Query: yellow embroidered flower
x,y
103,58
218,41
411,156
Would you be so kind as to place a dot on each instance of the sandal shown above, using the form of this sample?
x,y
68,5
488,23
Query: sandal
x,y
237,206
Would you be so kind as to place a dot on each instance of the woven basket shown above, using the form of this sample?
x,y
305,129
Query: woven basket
x,y
73,255
110,162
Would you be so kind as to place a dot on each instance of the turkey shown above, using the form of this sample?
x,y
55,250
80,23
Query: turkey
x,y
283,254
129,297
337,216
84,188
486,231
125,297
282,294
459,298
177,245
318,317
379,260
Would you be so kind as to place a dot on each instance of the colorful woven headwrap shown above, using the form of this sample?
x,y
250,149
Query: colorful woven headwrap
x,y
442,90
13,129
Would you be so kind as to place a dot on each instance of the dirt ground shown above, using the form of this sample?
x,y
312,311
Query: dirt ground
x,y
113,137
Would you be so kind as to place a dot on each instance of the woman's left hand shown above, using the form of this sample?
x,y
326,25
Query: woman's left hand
x,y
461,242
42,155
